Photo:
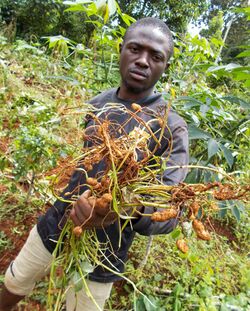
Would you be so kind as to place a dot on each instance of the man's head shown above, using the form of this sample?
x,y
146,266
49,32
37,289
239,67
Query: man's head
x,y
145,53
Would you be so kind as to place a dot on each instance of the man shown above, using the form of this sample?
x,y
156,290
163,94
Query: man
x,y
144,57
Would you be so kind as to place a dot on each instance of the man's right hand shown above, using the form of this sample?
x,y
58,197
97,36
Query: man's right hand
x,y
87,214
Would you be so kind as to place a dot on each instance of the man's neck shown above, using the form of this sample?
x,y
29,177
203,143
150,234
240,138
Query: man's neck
x,y
125,94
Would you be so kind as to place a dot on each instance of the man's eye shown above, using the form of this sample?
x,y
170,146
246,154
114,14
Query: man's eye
x,y
157,58
134,49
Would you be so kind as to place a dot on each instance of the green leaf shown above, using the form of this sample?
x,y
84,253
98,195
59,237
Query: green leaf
x,y
98,24
244,54
178,289
92,9
75,8
191,177
227,154
65,78
195,133
232,66
158,277
194,176
240,76
245,10
204,109
100,3
139,305
112,7
216,42
223,209
106,14
240,205
175,233
149,303
77,2
87,267
212,147
209,176
127,19
190,99
193,258
177,305
189,105
227,67
237,100
234,208
241,69
247,83
77,281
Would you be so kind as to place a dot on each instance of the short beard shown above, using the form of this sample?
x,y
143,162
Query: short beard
x,y
135,90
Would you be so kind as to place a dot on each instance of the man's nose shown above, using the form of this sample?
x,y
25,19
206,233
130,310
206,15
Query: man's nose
x,y
142,60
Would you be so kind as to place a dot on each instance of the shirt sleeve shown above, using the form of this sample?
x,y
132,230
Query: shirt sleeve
x,y
179,156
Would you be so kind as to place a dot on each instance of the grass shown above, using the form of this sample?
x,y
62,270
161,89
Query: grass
x,y
5,242
211,272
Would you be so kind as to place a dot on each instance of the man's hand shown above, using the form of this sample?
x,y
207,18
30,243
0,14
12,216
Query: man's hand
x,y
87,214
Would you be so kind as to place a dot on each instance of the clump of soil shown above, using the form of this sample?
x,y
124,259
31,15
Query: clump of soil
x,y
221,229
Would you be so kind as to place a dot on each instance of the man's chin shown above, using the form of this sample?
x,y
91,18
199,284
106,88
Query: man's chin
x,y
135,89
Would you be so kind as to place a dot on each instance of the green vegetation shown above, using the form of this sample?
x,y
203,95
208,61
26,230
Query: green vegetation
x,y
49,68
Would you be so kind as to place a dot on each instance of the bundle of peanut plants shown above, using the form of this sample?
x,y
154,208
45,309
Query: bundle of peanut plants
x,y
130,179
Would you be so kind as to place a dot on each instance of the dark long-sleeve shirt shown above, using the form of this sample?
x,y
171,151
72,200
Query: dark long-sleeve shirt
x,y
49,225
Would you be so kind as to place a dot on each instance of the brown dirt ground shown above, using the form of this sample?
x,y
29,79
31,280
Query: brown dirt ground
x,y
4,144
20,234
221,229
2,189
17,241
63,170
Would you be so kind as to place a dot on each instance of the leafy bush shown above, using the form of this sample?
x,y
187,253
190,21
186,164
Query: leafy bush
x,y
38,18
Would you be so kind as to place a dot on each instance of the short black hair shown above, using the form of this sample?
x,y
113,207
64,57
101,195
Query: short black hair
x,y
156,23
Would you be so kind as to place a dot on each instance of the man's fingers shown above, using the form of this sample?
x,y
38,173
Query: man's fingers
x,y
91,212
81,214
83,206
102,211
86,194
74,218
81,210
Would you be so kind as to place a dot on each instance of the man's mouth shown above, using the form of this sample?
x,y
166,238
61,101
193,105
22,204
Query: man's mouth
x,y
138,75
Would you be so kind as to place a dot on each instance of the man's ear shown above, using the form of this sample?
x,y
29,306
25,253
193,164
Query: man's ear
x,y
167,66
120,47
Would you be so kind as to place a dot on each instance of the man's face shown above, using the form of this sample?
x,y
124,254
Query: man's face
x,y
143,59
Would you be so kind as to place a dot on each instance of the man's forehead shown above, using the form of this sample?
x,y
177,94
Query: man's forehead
x,y
148,35
144,30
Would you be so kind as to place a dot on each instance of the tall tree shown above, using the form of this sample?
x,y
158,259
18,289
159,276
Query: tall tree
x,y
44,17
236,26
177,14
